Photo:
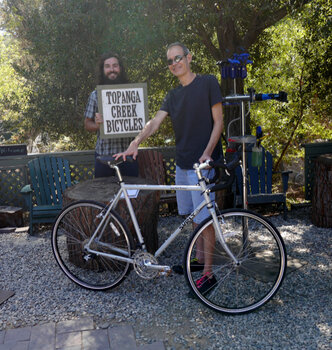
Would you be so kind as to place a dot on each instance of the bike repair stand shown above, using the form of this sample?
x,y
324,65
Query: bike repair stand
x,y
249,139
243,139
236,68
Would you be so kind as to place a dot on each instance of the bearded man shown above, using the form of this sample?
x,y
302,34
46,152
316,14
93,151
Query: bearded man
x,y
110,71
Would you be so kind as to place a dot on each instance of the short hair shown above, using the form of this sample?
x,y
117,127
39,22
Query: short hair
x,y
177,43
100,69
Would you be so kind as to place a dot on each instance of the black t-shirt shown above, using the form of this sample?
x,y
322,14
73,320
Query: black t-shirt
x,y
190,110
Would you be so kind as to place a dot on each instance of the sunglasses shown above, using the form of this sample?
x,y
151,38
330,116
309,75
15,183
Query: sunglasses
x,y
176,59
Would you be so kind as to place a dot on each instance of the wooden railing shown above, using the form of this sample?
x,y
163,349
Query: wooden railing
x,y
14,171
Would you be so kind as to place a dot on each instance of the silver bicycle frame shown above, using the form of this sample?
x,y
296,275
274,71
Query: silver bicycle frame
x,y
201,187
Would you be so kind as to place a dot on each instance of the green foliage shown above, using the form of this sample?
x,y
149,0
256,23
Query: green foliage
x,y
316,50
14,93
294,60
62,40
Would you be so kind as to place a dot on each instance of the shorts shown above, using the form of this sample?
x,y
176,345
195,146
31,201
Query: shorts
x,y
189,200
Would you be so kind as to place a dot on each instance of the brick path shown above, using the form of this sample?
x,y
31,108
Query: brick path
x,y
72,335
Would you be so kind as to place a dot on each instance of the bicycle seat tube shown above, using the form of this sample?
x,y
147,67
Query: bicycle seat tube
x,y
130,207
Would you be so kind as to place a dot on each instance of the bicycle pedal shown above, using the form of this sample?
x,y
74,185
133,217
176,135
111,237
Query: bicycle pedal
x,y
166,271
87,257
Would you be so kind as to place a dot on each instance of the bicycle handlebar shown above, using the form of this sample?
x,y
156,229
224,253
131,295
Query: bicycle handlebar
x,y
229,169
221,163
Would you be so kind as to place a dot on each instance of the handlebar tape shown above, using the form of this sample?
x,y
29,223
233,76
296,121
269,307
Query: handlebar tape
x,y
224,184
220,163
230,167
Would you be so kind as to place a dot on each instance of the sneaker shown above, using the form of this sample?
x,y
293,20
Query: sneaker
x,y
206,283
194,266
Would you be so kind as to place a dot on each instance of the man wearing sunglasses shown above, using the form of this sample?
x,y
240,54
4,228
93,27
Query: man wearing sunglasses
x,y
110,71
196,113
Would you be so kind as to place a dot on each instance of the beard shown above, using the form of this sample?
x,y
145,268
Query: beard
x,y
118,80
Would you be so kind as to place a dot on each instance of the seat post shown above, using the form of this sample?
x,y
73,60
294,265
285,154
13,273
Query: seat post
x,y
117,170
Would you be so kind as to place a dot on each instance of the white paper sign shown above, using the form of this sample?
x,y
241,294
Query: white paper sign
x,y
124,109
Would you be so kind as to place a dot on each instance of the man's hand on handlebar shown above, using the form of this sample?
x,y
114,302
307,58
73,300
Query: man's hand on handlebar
x,y
204,158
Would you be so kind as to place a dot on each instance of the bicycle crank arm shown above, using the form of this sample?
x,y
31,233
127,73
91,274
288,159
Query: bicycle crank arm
x,y
163,269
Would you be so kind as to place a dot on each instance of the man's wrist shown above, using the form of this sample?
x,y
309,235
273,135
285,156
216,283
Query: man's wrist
x,y
206,155
136,142
96,126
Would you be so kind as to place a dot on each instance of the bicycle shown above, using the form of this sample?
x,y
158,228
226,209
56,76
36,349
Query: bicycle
x,y
94,248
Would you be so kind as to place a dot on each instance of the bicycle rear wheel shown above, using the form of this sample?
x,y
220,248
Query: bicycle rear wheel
x,y
73,229
260,250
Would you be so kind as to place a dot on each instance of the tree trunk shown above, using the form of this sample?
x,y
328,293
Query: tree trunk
x,y
322,192
146,205
11,216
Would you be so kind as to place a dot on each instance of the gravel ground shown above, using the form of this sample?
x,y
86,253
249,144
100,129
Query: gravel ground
x,y
299,317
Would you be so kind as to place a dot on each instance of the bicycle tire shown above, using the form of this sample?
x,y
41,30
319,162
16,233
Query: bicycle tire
x,y
71,231
261,252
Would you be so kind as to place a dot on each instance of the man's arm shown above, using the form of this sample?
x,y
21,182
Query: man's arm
x,y
93,124
218,126
150,128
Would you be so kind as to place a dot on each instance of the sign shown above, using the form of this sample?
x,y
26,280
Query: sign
x,y
124,108
13,150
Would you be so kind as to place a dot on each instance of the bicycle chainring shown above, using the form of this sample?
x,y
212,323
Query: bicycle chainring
x,y
141,259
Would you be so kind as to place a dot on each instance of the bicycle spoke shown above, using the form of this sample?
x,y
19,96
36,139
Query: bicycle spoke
x,y
72,232
260,252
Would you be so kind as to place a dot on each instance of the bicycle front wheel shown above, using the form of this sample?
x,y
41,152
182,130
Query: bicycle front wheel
x,y
73,229
261,262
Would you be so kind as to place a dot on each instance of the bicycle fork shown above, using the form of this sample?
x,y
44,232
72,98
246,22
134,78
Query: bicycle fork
x,y
220,237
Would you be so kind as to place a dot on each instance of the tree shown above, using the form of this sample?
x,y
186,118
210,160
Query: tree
x,y
214,30
64,38
14,92
297,60
228,27
62,42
